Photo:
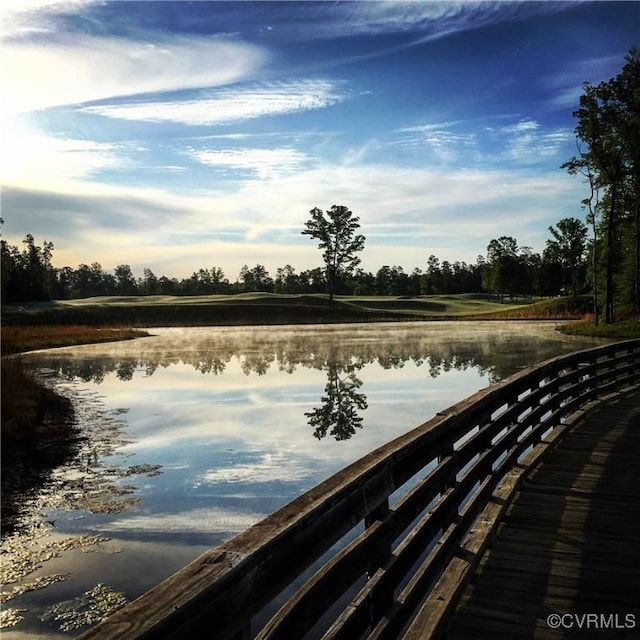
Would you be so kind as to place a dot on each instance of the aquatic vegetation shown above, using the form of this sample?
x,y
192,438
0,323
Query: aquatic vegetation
x,y
10,617
88,609
86,480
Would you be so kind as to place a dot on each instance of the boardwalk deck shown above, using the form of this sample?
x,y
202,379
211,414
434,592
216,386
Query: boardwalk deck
x,y
569,543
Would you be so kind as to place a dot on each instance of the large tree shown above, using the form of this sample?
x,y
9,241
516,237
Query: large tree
x,y
126,284
608,121
336,232
569,245
501,268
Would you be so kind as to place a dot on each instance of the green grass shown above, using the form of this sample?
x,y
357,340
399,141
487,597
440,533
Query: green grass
x,y
258,308
242,309
550,309
451,306
21,338
621,330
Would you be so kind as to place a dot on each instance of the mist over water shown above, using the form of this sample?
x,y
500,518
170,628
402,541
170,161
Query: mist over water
x,y
194,434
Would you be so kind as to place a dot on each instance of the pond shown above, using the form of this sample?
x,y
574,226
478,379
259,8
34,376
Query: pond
x,y
192,435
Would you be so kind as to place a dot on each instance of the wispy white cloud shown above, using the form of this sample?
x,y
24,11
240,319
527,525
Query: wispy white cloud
x,y
531,148
87,68
468,144
520,127
443,142
231,105
527,142
20,18
566,84
431,20
262,162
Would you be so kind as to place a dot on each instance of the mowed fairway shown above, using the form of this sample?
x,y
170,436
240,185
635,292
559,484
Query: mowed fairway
x,y
450,305
435,306
267,308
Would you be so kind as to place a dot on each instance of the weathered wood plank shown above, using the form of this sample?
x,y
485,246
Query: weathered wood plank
x,y
569,541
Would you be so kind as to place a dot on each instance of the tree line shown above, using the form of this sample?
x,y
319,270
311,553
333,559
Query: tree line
x,y
608,158
28,274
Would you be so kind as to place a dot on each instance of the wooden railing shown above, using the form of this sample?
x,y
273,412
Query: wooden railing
x,y
386,527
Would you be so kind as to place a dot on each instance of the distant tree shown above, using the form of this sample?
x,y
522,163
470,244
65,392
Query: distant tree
x,y
400,281
168,286
314,279
336,232
219,281
149,284
364,283
205,282
501,266
384,280
568,244
256,279
527,270
433,277
286,280
446,277
7,264
81,287
550,275
63,285
126,284
27,274
416,282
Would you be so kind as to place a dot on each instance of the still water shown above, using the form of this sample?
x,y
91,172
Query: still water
x,y
192,435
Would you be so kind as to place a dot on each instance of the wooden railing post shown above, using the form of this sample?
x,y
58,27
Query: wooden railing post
x,y
383,552
452,478
379,605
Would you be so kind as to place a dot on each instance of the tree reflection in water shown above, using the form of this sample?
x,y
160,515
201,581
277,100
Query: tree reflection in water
x,y
495,350
338,413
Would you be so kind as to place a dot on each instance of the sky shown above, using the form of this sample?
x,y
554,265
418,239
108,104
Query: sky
x,y
184,135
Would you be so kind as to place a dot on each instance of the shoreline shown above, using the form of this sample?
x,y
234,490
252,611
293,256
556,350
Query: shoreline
x,y
23,338
26,400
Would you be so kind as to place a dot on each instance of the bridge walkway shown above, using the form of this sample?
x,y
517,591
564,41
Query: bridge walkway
x,y
570,541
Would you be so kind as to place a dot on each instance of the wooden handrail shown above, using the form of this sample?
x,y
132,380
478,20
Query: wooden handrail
x,y
441,475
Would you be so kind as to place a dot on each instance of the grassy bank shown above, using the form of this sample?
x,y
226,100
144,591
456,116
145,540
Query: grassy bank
x,y
621,330
21,338
552,309
263,309
250,309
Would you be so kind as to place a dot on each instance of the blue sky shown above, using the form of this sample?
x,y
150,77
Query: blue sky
x,y
181,135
